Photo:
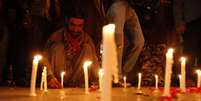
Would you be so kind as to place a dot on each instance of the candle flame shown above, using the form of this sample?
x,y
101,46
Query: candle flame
x,y
179,76
170,50
110,28
37,57
198,72
45,68
62,73
87,63
139,74
124,78
183,59
100,72
156,76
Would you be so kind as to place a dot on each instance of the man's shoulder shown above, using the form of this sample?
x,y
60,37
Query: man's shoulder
x,y
57,35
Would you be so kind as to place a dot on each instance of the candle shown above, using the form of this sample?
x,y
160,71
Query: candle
x,y
139,80
124,81
34,74
100,73
45,78
86,78
62,79
156,81
109,60
198,78
183,74
180,81
42,81
168,72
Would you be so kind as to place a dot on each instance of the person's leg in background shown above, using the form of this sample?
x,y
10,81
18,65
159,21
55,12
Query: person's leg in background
x,y
191,46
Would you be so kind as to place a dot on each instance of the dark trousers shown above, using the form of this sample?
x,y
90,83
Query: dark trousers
x,y
192,47
192,41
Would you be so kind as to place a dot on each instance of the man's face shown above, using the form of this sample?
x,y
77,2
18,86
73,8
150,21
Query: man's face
x,y
75,26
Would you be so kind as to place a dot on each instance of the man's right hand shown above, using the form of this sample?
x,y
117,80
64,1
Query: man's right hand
x,y
53,82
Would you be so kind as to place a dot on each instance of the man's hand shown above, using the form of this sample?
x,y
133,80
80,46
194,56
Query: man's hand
x,y
53,82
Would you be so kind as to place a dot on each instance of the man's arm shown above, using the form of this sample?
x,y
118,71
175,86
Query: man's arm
x,y
116,15
53,39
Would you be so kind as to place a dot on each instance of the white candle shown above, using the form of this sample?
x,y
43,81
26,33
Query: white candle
x,y
183,74
100,73
45,78
156,81
124,82
43,84
168,72
86,78
198,78
62,79
139,80
180,81
42,81
109,60
34,74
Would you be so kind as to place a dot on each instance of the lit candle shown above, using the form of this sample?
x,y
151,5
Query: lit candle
x,y
124,81
86,78
43,83
100,73
180,81
34,74
156,81
62,79
45,78
139,80
183,74
198,77
109,60
168,72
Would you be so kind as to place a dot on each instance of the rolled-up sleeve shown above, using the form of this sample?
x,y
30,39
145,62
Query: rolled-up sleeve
x,y
116,15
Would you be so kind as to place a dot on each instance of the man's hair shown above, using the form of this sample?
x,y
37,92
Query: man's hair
x,y
76,13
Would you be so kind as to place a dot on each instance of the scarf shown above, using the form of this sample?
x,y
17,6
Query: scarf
x,y
73,45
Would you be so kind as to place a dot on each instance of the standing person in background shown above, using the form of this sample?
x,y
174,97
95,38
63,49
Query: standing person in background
x,y
156,18
27,43
187,16
3,40
128,31
47,13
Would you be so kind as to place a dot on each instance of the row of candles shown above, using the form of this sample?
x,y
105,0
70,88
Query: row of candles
x,y
100,73
43,84
109,64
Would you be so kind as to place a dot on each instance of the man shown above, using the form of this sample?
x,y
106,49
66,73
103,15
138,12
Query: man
x,y
124,17
66,50
3,40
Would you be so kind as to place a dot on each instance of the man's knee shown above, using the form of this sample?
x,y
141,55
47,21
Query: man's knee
x,y
139,43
